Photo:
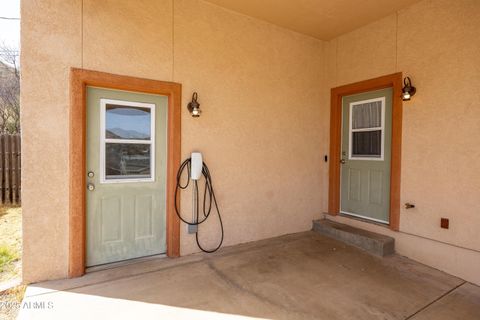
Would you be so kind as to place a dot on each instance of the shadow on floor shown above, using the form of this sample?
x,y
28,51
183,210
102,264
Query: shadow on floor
x,y
300,276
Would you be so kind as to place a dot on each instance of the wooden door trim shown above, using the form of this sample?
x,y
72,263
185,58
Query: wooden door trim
x,y
394,81
79,80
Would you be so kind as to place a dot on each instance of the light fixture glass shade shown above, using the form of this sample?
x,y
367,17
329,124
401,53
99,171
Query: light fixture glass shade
x,y
194,106
196,112
408,90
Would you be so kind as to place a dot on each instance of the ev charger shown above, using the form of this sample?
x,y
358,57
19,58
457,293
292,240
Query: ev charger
x,y
195,174
197,165
196,170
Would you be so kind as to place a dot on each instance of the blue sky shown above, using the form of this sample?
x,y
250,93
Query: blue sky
x,y
135,123
10,29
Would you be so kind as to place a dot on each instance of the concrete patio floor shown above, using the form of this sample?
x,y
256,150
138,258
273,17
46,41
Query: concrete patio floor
x,y
299,276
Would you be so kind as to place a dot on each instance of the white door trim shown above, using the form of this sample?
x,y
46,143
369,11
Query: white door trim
x,y
104,140
351,130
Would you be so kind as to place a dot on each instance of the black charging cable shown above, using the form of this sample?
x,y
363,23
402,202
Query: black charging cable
x,y
209,195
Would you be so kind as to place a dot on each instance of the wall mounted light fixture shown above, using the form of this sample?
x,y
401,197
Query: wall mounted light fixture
x,y
408,90
194,106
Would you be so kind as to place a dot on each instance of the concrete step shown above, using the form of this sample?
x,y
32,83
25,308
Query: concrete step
x,y
377,244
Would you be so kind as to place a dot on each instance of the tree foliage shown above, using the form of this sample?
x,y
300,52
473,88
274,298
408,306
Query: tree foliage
x,y
9,90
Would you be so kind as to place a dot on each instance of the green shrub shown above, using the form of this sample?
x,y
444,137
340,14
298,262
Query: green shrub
x,y
6,257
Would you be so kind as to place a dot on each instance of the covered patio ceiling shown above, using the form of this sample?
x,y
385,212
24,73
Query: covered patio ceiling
x,y
321,19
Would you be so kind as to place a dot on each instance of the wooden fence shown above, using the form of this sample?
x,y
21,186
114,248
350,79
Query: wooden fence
x,y
10,169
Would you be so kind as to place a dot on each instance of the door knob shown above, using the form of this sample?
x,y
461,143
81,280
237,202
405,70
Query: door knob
x,y
90,187
343,161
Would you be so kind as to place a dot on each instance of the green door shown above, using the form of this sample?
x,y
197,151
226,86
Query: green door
x,y
126,175
366,153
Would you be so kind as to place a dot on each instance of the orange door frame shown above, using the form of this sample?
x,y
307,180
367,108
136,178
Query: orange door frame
x,y
394,81
79,80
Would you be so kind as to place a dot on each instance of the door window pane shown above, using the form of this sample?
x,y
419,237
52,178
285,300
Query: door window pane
x,y
128,144
124,161
367,115
367,144
125,122
366,129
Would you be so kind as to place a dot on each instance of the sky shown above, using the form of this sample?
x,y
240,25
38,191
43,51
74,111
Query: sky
x,y
10,29
139,122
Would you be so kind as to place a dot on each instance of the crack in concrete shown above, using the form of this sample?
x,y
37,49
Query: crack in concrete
x,y
231,282
435,300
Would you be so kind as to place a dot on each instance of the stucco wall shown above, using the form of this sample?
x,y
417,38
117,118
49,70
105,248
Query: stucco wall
x,y
265,95
259,86
437,44
51,44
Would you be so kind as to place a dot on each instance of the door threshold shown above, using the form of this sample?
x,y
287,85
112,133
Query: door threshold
x,y
364,219
123,263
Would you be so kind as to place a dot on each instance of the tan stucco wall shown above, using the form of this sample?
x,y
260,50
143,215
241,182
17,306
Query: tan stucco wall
x,y
264,91
437,44
259,86
51,44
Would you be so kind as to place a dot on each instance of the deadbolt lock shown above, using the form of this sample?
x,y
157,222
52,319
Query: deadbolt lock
x,y
91,174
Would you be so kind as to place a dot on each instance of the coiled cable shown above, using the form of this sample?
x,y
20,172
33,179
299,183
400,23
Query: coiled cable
x,y
209,194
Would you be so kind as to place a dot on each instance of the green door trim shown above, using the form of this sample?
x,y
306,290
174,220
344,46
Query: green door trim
x,y
79,80
395,82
